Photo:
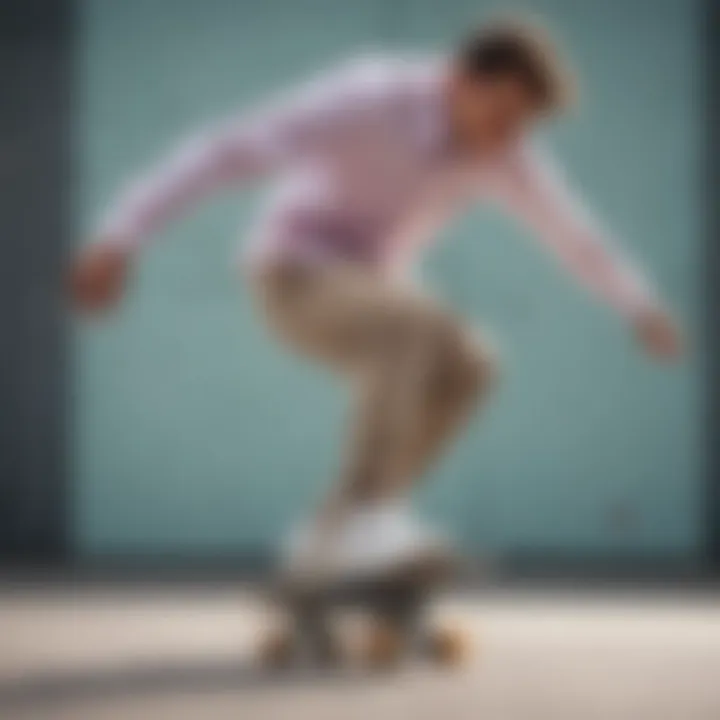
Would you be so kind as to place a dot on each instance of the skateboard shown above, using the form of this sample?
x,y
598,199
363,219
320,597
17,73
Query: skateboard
x,y
394,604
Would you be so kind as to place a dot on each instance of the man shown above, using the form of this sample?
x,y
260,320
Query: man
x,y
375,157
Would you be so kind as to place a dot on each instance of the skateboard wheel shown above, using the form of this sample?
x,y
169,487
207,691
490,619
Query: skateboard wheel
x,y
277,650
385,647
448,646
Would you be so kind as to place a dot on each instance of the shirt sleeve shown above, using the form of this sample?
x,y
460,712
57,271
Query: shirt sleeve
x,y
534,189
307,121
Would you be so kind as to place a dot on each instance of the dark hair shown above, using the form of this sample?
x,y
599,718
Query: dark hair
x,y
523,51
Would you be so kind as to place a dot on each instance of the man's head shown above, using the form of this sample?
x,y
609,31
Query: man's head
x,y
505,78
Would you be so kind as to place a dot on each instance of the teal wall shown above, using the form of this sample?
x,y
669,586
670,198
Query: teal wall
x,y
195,433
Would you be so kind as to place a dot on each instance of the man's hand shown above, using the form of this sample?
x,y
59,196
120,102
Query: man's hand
x,y
659,335
98,278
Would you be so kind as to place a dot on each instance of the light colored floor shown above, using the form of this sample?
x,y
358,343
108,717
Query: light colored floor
x,y
124,654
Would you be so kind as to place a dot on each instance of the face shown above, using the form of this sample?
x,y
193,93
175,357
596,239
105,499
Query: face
x,y
488,115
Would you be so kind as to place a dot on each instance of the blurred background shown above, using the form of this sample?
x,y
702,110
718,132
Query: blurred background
x,y
192,433
177,434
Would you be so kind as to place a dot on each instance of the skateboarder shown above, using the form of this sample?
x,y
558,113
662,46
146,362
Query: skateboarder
x,y
375,157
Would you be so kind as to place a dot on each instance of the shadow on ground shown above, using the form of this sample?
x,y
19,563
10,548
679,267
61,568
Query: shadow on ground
x,y
143,680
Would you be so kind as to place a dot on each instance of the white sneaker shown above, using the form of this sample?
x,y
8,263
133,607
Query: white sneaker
x,y
371,540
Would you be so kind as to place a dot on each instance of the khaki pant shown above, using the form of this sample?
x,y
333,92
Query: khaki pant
x,y
416,371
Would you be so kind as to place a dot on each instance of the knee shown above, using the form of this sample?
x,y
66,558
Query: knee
x,y
453,359
466,364
476,363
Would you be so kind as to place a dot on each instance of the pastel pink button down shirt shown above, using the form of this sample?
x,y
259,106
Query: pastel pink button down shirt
x,y
364,175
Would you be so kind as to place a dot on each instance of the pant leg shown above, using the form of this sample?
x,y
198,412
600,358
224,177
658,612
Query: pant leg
x,y
415,369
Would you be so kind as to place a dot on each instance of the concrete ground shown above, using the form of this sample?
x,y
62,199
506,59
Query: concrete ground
x,y
94,654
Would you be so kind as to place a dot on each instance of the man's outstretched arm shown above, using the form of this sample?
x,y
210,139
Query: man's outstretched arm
x,y
243,149
534,190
